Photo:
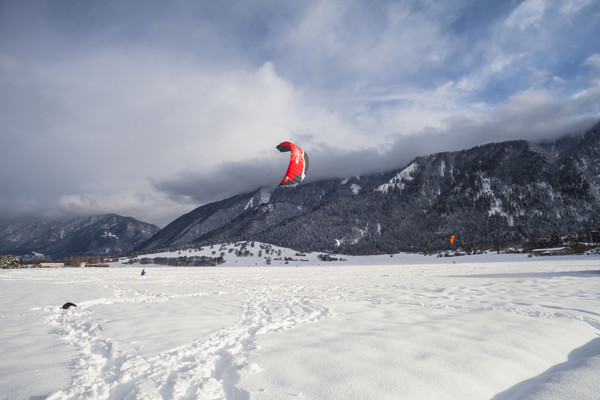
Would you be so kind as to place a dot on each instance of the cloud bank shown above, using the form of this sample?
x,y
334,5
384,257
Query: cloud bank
x,y
151,109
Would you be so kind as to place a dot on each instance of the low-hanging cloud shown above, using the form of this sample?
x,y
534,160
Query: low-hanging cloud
x,y
151,109
531,115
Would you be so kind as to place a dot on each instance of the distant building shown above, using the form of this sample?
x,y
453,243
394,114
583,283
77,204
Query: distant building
x,y
581,248
52,265
556,251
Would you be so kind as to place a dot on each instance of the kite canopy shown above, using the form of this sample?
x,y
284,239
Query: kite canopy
x,y
452,239
298,165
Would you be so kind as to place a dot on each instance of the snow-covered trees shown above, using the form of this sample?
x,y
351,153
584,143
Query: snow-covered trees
x,y
10,261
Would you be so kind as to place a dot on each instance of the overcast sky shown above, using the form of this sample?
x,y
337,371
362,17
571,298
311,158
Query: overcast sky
x,y
152,108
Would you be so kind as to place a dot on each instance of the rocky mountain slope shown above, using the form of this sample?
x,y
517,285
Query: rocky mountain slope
x,y
98,235
490,195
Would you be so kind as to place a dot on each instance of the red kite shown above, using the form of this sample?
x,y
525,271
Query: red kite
x,y
298,165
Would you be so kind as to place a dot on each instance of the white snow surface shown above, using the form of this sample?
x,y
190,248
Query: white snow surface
x,y
399,180
355,188
109,234
265,197
375,327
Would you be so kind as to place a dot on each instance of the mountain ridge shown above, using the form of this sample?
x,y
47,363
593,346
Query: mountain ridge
x,y
493,194
504,192
81,236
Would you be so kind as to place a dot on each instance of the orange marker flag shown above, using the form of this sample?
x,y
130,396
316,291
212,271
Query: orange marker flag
x,y
452,239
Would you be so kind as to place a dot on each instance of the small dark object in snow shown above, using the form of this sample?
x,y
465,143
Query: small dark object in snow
x,y
67,305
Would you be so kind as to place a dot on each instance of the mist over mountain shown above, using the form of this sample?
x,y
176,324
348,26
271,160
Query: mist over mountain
x,y
499,193
91,236
584,148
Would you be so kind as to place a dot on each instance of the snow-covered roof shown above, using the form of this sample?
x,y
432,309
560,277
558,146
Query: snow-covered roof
x,y
552,249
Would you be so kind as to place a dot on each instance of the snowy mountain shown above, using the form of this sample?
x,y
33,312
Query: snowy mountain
x,y
492,195
256,213
585,149
97,235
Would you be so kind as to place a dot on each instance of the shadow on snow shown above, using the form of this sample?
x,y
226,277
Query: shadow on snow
x,y
558,274
559,378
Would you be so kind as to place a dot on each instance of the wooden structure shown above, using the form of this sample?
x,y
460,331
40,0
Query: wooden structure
x,y
556,251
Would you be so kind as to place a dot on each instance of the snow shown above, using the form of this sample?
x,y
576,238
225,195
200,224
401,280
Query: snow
x,y
107,234
495,203
265,197
399,180
492,326
353,187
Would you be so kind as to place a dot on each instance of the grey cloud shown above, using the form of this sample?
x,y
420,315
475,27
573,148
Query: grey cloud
x,y
222,181
531,115
137,105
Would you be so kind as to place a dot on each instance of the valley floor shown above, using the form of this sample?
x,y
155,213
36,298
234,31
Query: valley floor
x,y
461,329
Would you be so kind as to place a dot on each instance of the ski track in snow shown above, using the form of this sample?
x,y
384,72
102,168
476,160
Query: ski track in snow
x,y
521,308
212,334
525,311
208,367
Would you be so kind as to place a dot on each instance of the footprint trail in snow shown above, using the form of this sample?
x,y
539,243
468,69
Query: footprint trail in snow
x,y
208,367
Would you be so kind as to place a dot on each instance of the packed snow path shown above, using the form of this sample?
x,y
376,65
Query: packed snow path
x,y
206,368
514,330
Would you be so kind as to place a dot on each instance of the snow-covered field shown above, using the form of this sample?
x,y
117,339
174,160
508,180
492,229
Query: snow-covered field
x,y
403,327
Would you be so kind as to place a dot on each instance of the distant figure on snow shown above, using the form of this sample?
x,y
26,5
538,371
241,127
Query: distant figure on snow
x,y
143,272
67,305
